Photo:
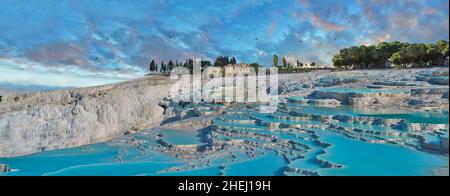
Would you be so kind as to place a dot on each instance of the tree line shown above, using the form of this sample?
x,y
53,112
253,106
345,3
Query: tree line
x,y
220,61
395,53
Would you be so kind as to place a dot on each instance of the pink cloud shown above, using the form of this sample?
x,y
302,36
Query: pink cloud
x,y
272,27
304,2
430,11
61,52
318,21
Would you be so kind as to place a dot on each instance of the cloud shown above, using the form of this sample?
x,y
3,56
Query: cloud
x,y
304,2
58,53
103,37
272,27
318,21
25,72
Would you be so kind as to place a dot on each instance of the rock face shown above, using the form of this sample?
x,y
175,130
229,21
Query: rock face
x,y
357,98
33,122
437,77
333,81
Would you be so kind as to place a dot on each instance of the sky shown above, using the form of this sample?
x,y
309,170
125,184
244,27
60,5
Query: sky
x,y
74,43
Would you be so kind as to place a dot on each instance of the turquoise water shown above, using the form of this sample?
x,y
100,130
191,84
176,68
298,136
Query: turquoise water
x,y
269,164
99,159
361,158
114,169
181,137
418,117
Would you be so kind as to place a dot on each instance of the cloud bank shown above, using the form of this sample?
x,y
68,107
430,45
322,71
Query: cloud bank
x,y
105,41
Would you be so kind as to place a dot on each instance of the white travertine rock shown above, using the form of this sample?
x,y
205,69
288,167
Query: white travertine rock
x,y
33,122
433,73
324,102
421,127
353,98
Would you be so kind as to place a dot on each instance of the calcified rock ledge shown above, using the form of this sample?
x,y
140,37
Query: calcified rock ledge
x,y
33,122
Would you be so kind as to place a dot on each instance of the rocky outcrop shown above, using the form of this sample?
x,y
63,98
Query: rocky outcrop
x,y
321,102
192,123
421,127
433,73
358,98
333,81
436,77
4,168
429,91
395,83
428,103
33,122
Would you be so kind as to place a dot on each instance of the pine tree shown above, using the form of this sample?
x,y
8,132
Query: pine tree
x,y
163,67
233,61
275,60
152,66
170,65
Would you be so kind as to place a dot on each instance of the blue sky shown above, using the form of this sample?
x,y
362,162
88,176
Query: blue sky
x,y
91,42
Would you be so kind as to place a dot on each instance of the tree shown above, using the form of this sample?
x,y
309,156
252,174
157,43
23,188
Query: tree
x,y
205,64
152,66
299,64
416,55
233,61
218,62
255,66
222,61
284,63
275,60
170,65
338,61
442,47
432,54
399,58
163,67
190,64
313,64
373,57
386,50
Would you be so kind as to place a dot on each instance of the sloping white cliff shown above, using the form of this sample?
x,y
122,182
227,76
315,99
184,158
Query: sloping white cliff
x,y
32,122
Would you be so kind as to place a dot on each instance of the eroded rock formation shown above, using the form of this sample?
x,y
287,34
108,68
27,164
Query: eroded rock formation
x,y
33,122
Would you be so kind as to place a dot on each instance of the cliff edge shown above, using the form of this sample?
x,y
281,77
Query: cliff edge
x,y
38,121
